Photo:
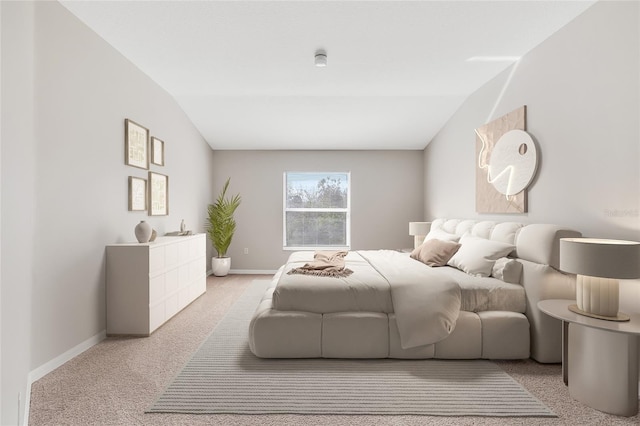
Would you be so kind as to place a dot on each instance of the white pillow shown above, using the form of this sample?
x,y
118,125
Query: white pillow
x,y
507,270
477,256
439,234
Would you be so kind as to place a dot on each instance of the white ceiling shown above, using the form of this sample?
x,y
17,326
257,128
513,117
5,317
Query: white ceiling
x,y
244,73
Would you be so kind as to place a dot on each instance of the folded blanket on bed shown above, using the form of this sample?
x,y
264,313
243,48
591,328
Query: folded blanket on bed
x,y
425,301
325,264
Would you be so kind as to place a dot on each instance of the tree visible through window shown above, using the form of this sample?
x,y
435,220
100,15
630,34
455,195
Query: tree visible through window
x,y
316,210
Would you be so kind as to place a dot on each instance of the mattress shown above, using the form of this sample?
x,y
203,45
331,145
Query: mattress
x,y
367,291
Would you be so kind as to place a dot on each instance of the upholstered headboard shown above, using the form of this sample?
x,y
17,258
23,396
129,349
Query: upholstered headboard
x,y
538,243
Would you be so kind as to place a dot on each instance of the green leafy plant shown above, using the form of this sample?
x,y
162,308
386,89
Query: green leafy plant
x,y
220,224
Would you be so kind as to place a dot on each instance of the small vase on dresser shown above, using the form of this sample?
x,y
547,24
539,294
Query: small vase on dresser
x,y
143,232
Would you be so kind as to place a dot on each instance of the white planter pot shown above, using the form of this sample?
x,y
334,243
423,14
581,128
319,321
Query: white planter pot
x,y
220,266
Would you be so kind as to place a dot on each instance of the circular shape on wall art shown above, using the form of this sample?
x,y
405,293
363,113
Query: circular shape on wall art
x,y
522,149
513,164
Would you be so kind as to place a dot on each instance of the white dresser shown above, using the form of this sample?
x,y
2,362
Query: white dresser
x,y
149,283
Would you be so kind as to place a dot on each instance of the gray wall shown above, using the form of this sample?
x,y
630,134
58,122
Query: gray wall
x,y
386,193
581,88
66,93
18,202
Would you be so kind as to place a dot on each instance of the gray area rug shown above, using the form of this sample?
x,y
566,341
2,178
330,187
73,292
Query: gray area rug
x,y
223,376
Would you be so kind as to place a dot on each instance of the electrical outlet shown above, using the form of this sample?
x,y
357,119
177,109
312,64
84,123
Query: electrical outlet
x,y
246,250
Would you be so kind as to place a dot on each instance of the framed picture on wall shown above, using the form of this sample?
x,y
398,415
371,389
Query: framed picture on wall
x,y
158,194
136,145
137,194
157,151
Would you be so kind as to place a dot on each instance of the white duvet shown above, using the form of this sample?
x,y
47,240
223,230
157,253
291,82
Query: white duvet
x,y
426,302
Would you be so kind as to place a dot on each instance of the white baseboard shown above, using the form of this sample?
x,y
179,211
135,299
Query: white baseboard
x,y
49,366
27,404
248,271
253,271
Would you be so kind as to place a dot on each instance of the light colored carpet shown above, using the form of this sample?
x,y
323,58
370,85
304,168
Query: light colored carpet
x,y
114,382
225,377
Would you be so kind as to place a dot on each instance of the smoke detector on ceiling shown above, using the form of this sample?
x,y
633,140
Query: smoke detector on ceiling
x,y
321,58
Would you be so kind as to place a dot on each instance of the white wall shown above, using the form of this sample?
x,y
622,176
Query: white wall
x,y
386,193
66,93
581,87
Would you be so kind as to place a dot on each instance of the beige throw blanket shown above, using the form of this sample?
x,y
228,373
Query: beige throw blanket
x,y
325,264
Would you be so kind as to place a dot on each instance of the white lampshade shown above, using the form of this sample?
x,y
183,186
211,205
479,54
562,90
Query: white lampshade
x,y
600,258
419,228
599,264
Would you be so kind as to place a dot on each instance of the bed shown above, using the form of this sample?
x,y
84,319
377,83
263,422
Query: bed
x,y
395,306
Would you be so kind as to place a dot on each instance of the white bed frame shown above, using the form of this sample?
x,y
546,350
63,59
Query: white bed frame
x,y
488,335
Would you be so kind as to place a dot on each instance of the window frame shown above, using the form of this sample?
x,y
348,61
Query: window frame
x,y
286,209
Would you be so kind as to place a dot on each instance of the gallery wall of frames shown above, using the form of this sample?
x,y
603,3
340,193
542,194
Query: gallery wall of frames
x,y
143,151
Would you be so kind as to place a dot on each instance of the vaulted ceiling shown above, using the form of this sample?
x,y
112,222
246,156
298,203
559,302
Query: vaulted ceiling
x,y
243,71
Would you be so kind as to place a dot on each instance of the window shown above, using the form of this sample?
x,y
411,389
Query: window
x,y
316,210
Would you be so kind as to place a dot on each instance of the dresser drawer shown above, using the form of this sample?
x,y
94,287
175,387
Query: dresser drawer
x,y
156,260
156,289
148,283
157,316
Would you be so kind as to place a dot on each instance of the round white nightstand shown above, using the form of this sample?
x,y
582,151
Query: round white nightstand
x,y
599,358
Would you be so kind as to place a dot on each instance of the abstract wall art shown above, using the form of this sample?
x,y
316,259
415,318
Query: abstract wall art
x,y
506,163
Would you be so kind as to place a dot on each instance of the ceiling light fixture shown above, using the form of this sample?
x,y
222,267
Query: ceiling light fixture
x,y
321,58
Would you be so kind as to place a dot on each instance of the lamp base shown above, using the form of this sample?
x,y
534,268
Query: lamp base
x,y
597,295
621,317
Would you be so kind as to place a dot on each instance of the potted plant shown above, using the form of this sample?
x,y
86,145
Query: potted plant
x,y
220,228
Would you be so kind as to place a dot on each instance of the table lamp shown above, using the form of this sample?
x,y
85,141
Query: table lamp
x,y
419,230
599,263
